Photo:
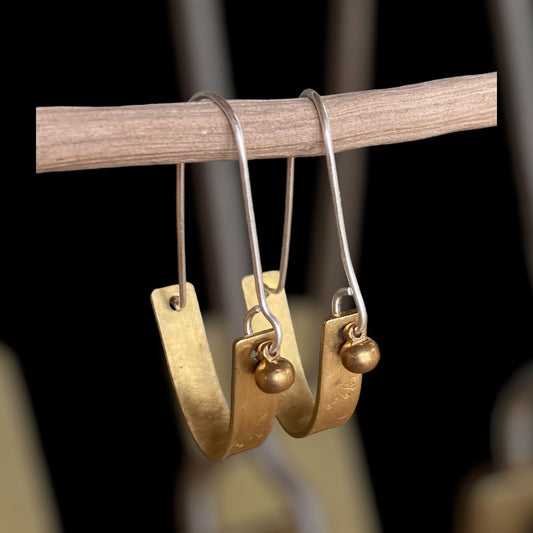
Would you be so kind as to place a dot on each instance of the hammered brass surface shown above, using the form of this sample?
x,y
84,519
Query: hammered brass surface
x,y
217,430
338,389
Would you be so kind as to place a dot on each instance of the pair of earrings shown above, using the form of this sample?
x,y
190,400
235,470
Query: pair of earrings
x,y
268,379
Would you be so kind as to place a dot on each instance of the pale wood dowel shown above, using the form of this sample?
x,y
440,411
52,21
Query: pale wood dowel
x,y
76,138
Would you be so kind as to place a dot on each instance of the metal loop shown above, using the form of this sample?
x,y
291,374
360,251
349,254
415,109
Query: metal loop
x,y
337,297
249,212
264,351
248,319
337,203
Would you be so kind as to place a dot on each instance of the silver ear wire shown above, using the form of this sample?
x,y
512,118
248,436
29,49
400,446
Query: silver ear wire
x,y
287,224
250,220
337,204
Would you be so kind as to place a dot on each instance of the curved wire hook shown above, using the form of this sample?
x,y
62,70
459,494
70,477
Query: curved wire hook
x,y
250,219
337,204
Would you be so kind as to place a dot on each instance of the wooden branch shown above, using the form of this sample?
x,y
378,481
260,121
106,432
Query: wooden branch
x,y
75,138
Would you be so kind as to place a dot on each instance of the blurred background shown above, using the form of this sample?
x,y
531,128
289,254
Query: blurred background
x,y
441,239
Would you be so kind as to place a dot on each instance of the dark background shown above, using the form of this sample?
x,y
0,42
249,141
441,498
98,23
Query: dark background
x,y
441,268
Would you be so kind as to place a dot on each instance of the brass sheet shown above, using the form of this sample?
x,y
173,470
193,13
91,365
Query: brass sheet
x,y
218,431
338,389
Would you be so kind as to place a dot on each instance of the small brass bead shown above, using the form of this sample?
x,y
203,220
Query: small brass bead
x,y
274,376
360,357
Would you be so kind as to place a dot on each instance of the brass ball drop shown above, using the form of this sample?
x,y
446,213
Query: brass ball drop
x,y
274,376
360,357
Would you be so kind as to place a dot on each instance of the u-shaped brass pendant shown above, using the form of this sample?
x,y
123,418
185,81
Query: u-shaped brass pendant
x,y
345,350
259,372
217,430
338,388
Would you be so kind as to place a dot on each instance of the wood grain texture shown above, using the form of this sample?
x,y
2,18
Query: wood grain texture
x,y
76,138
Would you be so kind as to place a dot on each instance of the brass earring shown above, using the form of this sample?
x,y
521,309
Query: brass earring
x,y
258,370
345,350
